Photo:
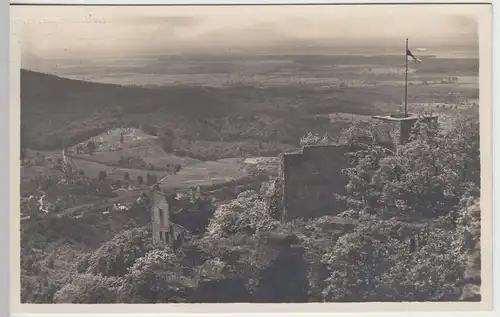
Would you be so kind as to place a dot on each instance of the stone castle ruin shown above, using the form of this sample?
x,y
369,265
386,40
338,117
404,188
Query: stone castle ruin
x,y
402,124
311,177
160,216
309,180
166,232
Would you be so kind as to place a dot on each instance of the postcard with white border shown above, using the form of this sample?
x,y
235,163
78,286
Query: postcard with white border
x,y
237,158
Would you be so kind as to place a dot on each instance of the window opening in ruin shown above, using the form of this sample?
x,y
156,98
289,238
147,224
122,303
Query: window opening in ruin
x,y
161,235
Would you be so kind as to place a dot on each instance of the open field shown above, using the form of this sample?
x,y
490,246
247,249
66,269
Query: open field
x,y
203,173
266,70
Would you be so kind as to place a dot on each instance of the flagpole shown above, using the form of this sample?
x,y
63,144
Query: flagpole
x,y
406,79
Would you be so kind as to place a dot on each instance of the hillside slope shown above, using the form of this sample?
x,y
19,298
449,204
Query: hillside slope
x,y
54,107
133,148
57,111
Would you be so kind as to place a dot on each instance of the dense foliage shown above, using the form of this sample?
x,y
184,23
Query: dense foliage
x,y
410,232
246,214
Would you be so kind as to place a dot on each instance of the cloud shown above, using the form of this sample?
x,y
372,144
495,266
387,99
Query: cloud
x,y
136,30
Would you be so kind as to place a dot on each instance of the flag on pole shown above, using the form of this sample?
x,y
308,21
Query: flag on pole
x,y
410,54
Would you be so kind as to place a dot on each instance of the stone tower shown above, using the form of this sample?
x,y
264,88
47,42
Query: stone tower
x,y
160,216
404,123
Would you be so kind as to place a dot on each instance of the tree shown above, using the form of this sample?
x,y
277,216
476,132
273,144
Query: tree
x,y
462,150
272,192
88,289
91,147
64,146
154,178
153,130
23,142
150,180
115,256
433,272
315,139
177,168
360,132
270,265
468,232
197,210
102,175
423,177
39,288
317,237
217,284
167,137
376,263
154,278
423,181
468,224
246,214
354,263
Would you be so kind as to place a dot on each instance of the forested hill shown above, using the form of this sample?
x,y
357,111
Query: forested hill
x,y
57,110
52,106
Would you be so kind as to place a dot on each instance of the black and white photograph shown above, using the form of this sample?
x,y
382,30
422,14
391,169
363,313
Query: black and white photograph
x,y
251,154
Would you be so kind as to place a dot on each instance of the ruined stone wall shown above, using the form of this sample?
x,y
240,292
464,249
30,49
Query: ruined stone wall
x,y
310,179
399,131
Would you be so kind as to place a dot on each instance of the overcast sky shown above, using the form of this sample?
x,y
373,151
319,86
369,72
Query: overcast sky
x,y
105,31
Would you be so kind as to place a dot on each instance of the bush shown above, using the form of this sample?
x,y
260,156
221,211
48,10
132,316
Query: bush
x,y
246,214
88,289
102,175
91,147
132,162
37,289
315,139
149,129
376,262
177,168
154,278
114,257
151,179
